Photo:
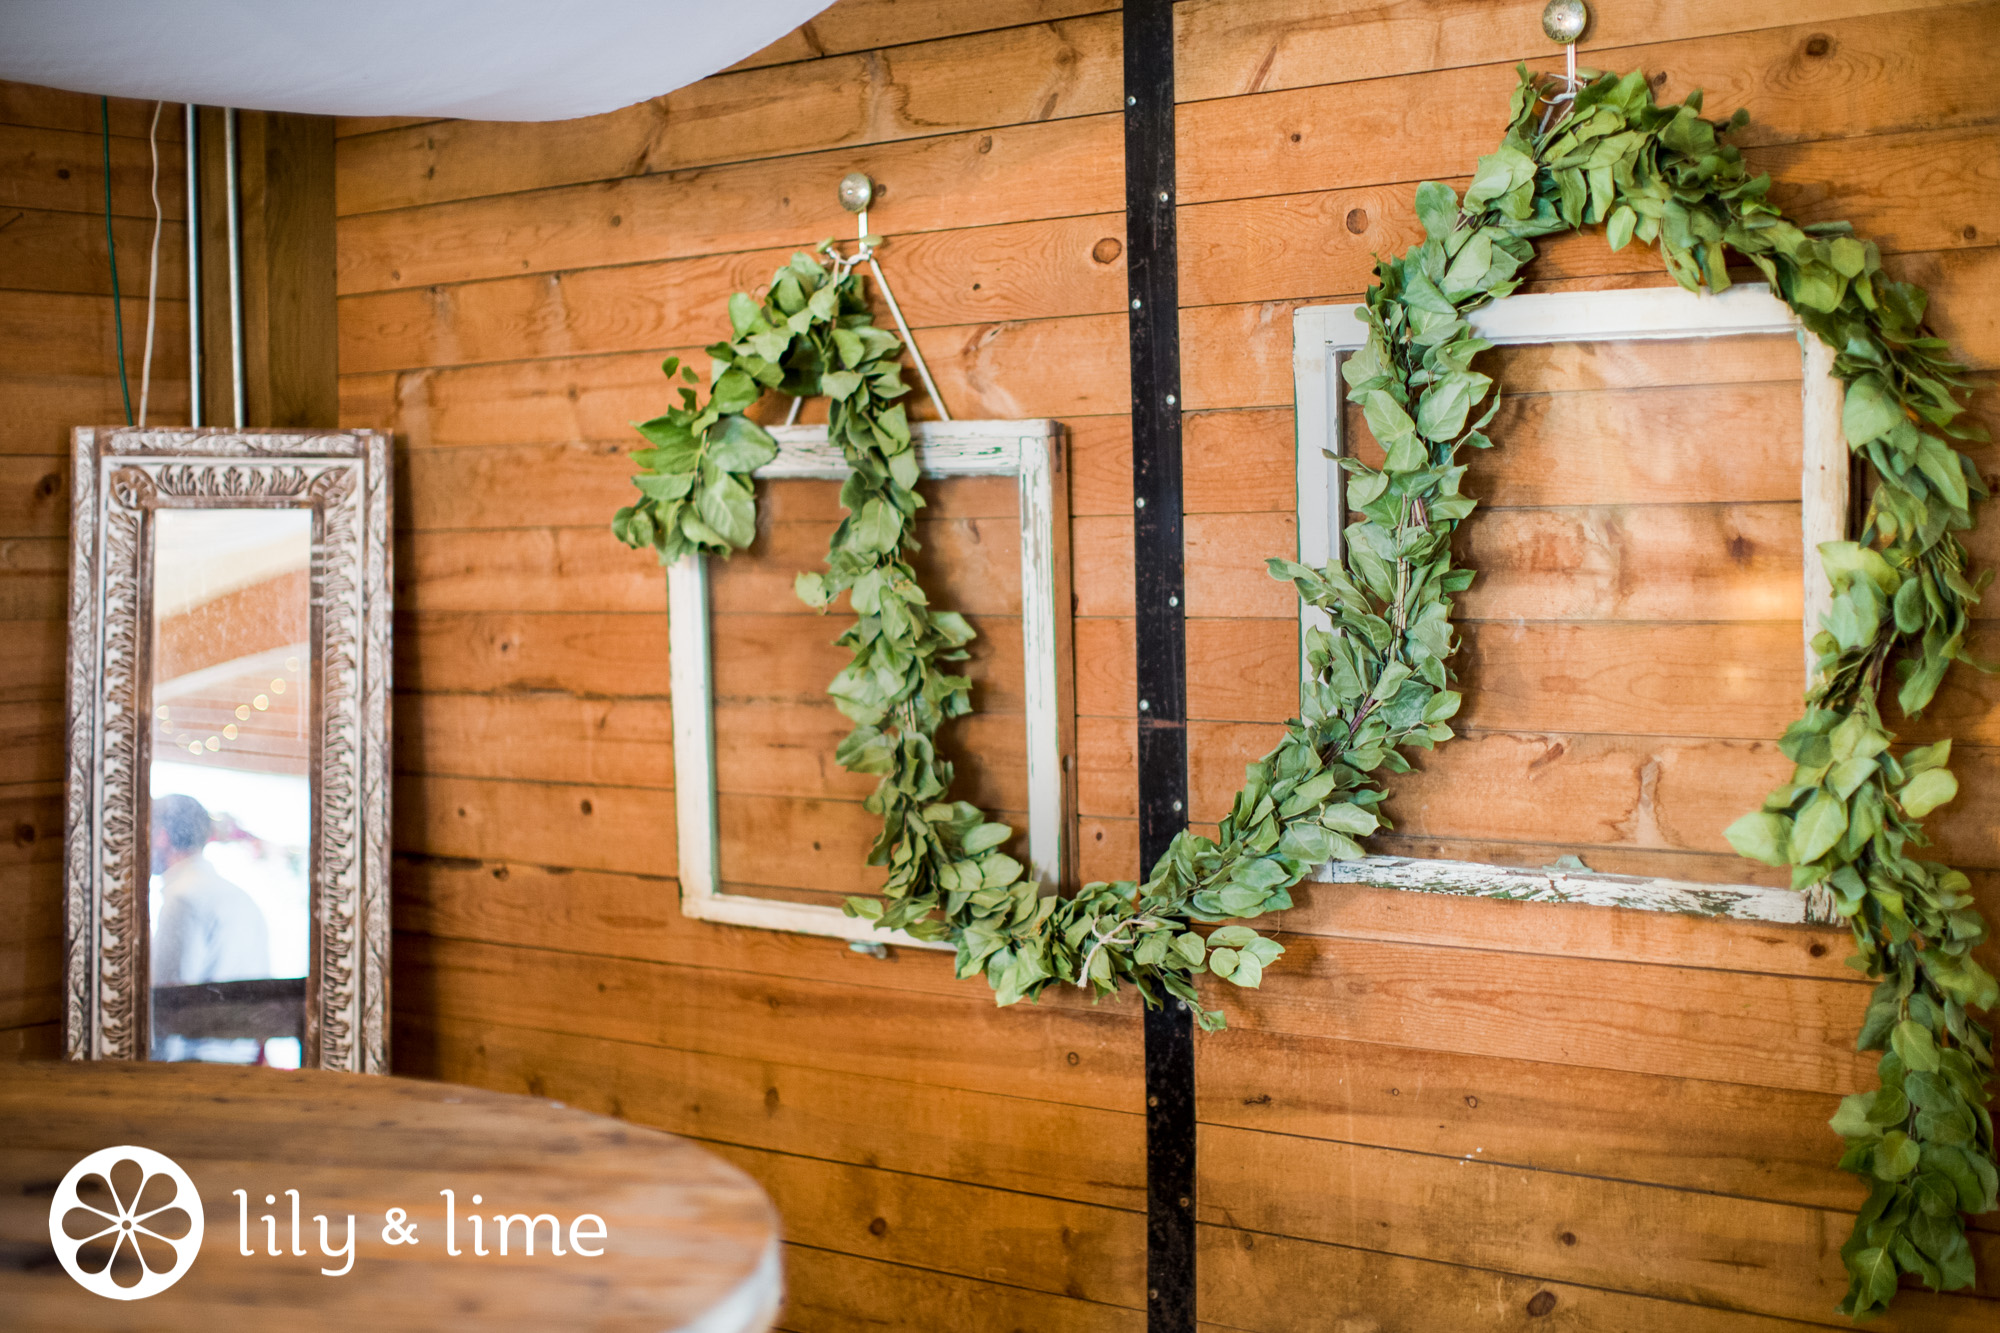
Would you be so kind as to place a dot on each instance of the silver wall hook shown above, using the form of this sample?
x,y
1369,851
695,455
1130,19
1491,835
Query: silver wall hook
x,y
857,191
1563,21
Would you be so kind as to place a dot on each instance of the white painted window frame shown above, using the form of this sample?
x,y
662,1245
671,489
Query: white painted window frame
x,y
1324,336
1031,452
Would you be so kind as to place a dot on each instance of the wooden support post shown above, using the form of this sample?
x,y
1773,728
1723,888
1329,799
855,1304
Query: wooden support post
x,y
285,166
1153,286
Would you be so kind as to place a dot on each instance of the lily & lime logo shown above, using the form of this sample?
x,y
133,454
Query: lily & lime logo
x,y
126,1223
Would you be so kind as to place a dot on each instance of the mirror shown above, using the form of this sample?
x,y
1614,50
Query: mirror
x,y
230,784
228,801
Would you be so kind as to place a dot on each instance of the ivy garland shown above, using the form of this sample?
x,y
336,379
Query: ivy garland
x,y
1847,824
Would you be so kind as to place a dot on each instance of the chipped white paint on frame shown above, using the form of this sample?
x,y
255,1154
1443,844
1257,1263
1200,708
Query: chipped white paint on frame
x,y
1472,879
1323,336
1031,452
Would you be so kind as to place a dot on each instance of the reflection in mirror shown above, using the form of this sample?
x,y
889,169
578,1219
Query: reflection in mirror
x,y
230,786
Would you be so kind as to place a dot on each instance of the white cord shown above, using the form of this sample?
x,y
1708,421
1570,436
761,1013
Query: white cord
x,y
845,264
153,273
1570,87
909,340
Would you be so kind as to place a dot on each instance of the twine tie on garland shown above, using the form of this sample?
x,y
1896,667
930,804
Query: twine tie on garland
x,y
1568,94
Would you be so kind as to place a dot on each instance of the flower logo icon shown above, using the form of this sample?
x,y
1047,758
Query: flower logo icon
x,y
126,1223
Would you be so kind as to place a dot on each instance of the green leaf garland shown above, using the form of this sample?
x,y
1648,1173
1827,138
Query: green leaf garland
x,y
1847,824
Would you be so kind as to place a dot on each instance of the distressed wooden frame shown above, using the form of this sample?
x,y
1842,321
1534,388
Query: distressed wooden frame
x,y
122,477
1323,336
1031,452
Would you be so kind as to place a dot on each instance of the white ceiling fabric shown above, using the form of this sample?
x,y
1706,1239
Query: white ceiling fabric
x,y
491,60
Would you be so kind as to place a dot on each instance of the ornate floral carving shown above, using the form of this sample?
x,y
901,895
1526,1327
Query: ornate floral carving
x,y
133,442
122,478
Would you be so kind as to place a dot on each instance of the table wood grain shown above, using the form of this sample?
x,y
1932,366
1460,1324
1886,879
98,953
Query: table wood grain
x,y
692,1243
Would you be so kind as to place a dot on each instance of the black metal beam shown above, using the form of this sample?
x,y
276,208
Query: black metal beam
x,y
1151,259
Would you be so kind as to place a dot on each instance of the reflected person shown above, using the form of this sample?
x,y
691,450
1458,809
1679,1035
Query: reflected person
x,y
209,929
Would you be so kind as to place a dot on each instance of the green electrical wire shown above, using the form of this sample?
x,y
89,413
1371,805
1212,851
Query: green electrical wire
x,y
111,248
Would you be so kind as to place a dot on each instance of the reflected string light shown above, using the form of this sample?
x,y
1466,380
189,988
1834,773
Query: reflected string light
x,y
262,704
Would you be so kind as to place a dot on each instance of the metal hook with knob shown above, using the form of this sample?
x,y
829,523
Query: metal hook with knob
x,y
857,191
1564,21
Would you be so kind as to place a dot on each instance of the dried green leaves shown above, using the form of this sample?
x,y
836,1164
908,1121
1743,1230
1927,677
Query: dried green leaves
x,y
1847,824
949,874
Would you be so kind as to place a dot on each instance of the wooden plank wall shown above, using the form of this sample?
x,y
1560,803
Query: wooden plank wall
x,y
791,820
507,294
1480,1114
58,369
1437,1114
1633,640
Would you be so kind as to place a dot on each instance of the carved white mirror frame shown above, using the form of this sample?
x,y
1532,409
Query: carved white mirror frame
x,y
122,478
1031,452
1323,336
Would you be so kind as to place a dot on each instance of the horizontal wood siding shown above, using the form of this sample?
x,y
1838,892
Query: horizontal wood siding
x,y
1437,1113
1440,1113
507,294
59,369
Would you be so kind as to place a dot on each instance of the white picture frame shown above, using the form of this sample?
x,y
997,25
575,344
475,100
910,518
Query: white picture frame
x,y
1032,453
1323,336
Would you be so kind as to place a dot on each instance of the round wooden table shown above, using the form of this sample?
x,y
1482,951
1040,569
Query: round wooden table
x,y
688,1242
